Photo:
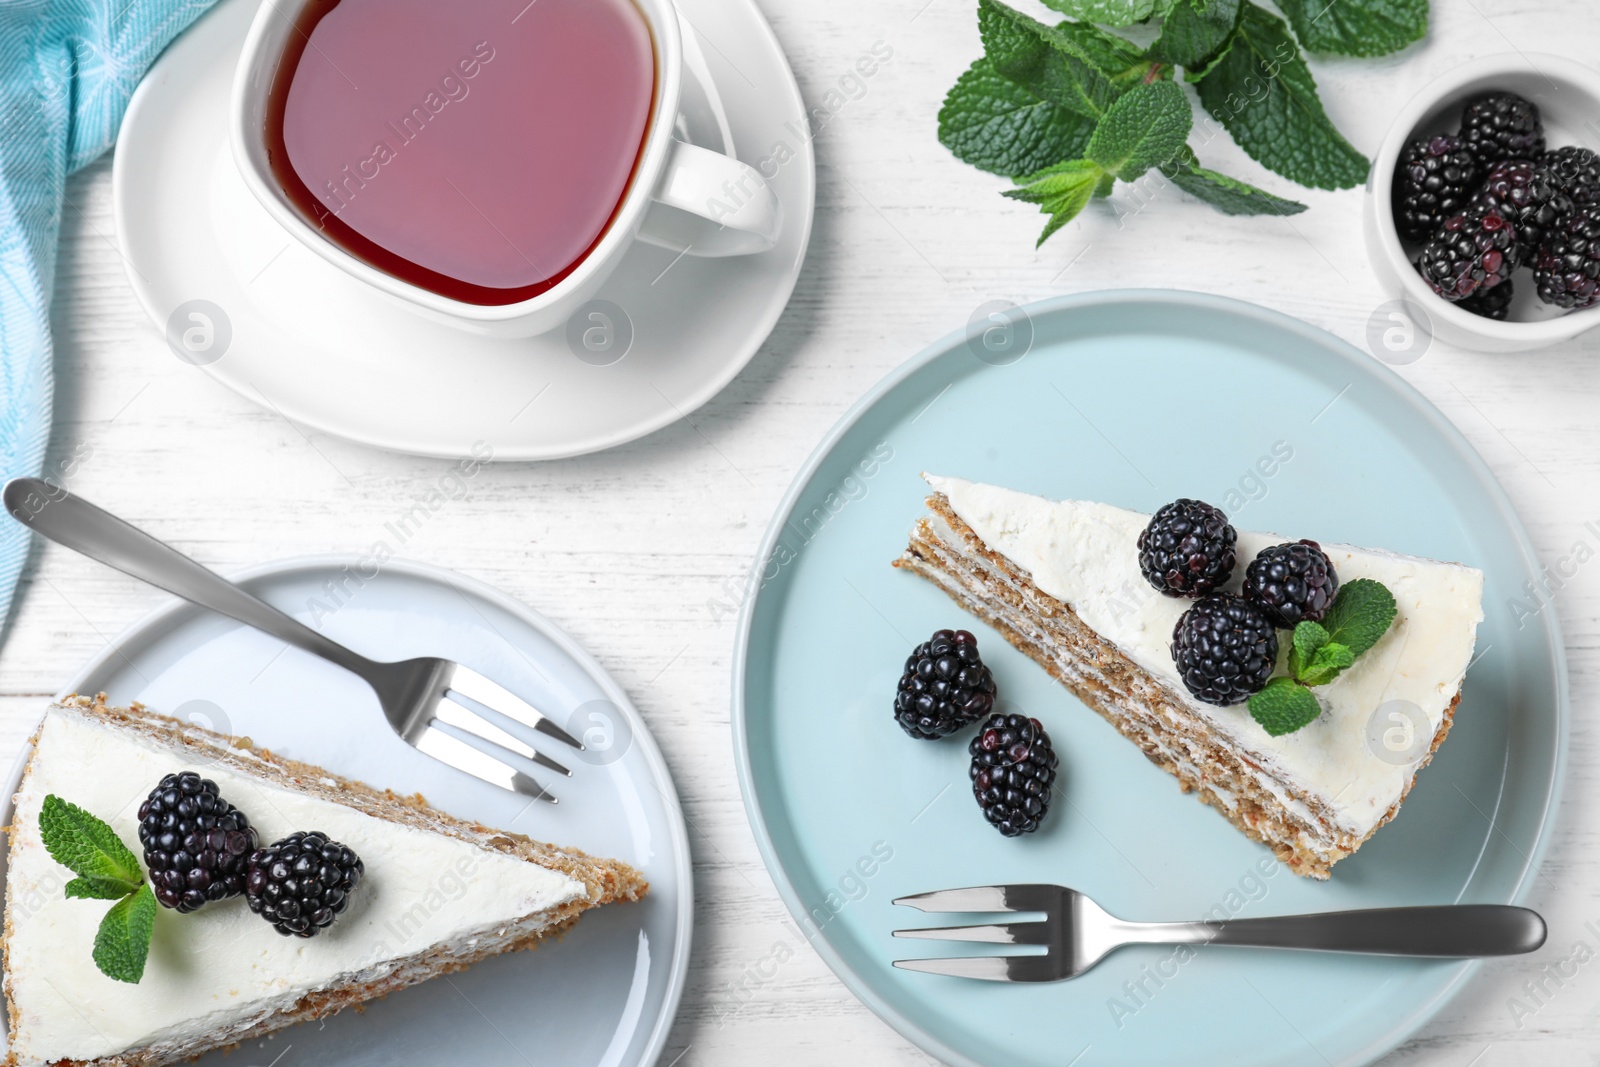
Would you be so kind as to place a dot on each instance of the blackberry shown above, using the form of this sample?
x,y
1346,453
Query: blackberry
x,y
1470,251
1225,649
1490,303
1576,171
1566,268
1291,582
1502,126
1434,180
300,884
1013,770
196,845
945,686
1525,195
1187,548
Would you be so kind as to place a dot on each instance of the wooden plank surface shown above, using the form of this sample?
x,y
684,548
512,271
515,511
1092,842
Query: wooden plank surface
x,y
625,549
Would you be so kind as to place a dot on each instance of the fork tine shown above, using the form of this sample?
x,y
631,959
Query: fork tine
x,y
463,757
985,898
990,968
1034,933
453,713
496,697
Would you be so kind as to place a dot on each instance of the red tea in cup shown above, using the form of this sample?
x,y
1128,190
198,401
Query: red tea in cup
x,y
474,148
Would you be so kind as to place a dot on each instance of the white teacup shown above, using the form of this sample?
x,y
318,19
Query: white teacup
x,y
679,196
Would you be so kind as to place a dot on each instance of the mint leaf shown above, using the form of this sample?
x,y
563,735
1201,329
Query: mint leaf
x,y
122,943
94,888
1060,191
1114,56
86,845
1357,27
1326,663
1361,613
1308,637
1043,60
1229,195
1284,707
1144,127
1106,12
1262,91
999,126
1193,30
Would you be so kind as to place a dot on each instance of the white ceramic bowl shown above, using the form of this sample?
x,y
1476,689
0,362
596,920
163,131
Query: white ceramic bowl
x,y
1568,95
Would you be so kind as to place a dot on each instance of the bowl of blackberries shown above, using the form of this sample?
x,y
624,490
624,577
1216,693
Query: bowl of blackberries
x,y
1483,207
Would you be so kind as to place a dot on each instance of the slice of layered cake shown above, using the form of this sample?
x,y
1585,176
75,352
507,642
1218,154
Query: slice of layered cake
x,y
1110,611
271,892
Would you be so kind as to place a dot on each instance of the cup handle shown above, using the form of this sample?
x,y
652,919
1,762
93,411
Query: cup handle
x,y
710,204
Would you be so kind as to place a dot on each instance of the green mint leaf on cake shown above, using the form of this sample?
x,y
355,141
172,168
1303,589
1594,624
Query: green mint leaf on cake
x,y
106,869
1357,27
85,887
87,846
1326,664
1360,614
1308,638
1284,706
1144,128
122,943
1260,88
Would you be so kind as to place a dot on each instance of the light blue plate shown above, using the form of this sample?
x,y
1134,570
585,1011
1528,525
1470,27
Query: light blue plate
x,y
1135,398
605,994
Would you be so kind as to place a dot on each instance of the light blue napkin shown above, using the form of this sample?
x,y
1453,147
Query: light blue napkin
x,y
67,69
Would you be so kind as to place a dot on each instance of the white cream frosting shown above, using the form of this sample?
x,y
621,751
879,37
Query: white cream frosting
x,y
224,963
1084,554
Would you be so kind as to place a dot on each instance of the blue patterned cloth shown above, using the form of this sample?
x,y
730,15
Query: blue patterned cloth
x,y
67,69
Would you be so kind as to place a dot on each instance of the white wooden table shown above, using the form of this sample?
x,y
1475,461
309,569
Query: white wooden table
x,y
630,549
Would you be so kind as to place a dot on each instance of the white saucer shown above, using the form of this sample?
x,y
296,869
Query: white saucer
x,y
606,994
299,336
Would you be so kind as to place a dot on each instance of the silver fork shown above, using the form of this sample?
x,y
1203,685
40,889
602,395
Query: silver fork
x,y
428,701
1077,933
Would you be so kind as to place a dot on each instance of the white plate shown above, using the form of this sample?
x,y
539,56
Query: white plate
x,y
299,336
605,995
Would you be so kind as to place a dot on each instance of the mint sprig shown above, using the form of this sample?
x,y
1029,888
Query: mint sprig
x,y
1050,102
1370,28
1261,89
1141,129
106,869
1360,615
1004,127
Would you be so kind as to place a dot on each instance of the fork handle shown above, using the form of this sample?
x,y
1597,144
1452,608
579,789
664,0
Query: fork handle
x,y
70,520
1449,930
